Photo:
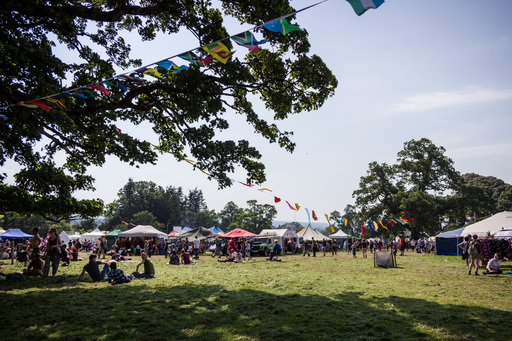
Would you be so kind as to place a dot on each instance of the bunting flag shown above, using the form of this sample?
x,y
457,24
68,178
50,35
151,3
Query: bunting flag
x,y
381,224
338,219
392,224
276,200
409,218
246,39
346,221
330,225
404,220
264,189
291,207
401,221
28,105
280,25
169,65
198,61
393,220
88,93
362,225
314,215
297,206
153,73
98,87
41,105
219,51
134,79
370,225
248,185
55,101
3,116
74,94
375,226
361,6
309,218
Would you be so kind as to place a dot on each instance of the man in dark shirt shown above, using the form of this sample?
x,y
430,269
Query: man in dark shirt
x,y
92,268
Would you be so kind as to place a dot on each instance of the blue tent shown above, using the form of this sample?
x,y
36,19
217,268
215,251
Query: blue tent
x,y
15,234
215,229
447,242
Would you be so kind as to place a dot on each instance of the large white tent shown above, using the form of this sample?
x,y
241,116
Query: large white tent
x,y
93,234
143,231
281,235
309,233
339,235
490,225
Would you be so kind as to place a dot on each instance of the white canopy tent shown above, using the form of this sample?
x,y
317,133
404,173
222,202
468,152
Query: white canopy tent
x,y
93,234
339,235
143,231
309,233
281,235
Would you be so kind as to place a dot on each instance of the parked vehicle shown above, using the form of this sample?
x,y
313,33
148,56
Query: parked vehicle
x,y
262,246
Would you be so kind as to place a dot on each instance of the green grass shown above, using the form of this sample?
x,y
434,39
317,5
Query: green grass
x,y
324,298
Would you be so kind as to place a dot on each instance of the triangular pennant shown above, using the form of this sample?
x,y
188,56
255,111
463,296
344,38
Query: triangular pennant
x,y
98,87
194,59
41,105
55,101
291,207
276,200
280,25
171,66
361,6
219,51
246,39
314,215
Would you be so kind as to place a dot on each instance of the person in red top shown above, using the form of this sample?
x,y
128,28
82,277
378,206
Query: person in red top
x,y
402,245
232,246
185,258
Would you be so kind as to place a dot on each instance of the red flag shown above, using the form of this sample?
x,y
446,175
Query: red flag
x,y
42,105
362,225
276,200
314,215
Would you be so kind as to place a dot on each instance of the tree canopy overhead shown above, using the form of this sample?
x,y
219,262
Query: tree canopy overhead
x,y
185,110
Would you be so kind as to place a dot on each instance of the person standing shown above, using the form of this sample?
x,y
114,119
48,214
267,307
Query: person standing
x,y
313,246
197,245
306,248
475,254
354,248
218,247
464,246
364,247
52,253
334,247
402,246
324,246
36,241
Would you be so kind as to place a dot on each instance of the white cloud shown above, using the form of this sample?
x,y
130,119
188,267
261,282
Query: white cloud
x,y
498,149
436,100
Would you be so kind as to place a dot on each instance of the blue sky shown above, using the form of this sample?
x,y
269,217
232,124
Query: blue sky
x,y
408,70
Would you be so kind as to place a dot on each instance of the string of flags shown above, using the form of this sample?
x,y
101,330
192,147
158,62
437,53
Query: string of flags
x,y
216,50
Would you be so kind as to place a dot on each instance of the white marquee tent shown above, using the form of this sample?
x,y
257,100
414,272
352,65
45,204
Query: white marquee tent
x,y
339,235
93,234
143,231
309,233
490,225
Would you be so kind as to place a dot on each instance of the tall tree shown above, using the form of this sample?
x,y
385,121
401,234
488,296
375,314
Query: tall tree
x,y
227,214
186,110
499,193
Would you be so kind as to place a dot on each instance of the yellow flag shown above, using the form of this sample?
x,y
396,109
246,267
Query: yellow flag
x,y
381,224
346,221
297,206
153,72
219,51
332,227
375,225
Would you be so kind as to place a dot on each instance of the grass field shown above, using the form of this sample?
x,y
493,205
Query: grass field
x,y
426,297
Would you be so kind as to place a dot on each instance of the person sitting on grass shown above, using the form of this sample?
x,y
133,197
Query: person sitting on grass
x,y
228,259
185,258
92,268
117,275
35,267
174,259
149,268
493,266
276,250
238,257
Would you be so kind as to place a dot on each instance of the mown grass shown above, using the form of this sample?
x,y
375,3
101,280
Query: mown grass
x,y
324,298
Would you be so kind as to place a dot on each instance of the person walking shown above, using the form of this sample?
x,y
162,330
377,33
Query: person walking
x,y
52,253
475,254
306,248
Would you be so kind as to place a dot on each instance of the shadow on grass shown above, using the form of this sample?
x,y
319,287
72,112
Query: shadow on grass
x,y
209,312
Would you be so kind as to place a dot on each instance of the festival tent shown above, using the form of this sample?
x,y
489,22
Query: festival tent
x,y
281,235
64,237
339,235
446,242
2,230
15,234
490,225
112,237
238,232
217,230
503,233
172,233
143,231
310,233
93,234
201,233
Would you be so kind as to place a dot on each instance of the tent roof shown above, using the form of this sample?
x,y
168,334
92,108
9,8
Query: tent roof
x,y
15,234
93,234
285,233
451,234
309,233
215,229
339,234
143,231
238,232
114,233
172,233
492,224
201,233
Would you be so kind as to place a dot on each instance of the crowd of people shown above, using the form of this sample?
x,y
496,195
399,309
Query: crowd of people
x,y
476,252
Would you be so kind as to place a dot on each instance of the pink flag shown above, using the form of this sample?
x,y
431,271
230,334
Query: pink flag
x,y
291,207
